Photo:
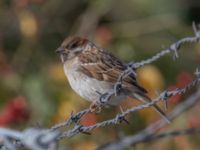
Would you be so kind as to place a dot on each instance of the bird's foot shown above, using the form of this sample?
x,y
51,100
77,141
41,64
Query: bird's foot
x,y
95,107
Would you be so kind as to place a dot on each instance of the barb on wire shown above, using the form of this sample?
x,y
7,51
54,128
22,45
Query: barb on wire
x,y
74,118
172,48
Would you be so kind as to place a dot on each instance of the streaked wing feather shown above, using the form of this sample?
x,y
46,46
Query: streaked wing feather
x,y
106,68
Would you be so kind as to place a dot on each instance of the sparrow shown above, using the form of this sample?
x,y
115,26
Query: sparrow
x,y
92,70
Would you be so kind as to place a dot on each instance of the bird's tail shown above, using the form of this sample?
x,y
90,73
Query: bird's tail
x,y
145,99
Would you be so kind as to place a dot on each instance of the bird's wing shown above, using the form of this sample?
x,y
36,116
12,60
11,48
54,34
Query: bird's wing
x,y
106,67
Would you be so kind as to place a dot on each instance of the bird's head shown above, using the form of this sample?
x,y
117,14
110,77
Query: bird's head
x,y
71,47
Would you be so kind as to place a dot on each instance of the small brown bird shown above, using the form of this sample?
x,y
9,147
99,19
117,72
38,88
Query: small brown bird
x,y
90,69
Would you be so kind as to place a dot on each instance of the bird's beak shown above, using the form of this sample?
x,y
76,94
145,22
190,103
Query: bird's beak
x,y
60,50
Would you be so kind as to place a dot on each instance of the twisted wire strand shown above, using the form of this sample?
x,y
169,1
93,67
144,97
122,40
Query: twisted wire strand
x,y
120,116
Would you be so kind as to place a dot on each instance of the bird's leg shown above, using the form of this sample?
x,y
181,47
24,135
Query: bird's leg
x,y
95,107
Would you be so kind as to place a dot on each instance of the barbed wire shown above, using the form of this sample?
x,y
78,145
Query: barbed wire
x,y
131,67
33,138
152,128
121,116
41,139
174,47
153,136
171,133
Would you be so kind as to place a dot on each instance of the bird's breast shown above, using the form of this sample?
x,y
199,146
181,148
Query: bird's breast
x,y
85,86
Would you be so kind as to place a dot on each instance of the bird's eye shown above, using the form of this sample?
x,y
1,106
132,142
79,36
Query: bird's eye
x,y
72,45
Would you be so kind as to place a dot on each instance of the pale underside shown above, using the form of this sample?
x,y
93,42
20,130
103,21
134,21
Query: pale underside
x,y
87,87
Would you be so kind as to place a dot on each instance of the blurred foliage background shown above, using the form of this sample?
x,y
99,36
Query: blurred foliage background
x,y
34,90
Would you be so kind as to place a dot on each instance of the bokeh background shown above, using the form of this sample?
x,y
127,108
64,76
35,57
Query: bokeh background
x,y
35,92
